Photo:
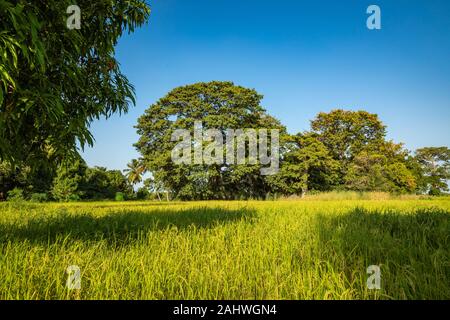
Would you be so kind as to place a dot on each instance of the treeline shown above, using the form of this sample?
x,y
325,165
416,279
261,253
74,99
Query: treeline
x,y
52,88
342,150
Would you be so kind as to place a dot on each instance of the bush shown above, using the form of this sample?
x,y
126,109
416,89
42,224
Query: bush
x,y
142,194
120,196
39,197
434,192
15,194
74,198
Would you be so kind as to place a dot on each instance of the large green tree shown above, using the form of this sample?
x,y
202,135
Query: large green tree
x,y
55,81
381,167
218,105
366,161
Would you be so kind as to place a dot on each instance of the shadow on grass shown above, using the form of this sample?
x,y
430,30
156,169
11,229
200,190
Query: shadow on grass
x,y
412,249
118,226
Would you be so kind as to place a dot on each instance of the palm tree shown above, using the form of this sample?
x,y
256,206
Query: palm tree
x,y
135,170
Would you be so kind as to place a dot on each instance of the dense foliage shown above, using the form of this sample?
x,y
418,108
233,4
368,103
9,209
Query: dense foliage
x,y
344,150
220,105
70,181
55,81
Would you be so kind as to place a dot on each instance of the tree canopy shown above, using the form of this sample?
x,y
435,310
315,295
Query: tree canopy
x,y
346,133
220,105
344,150
55,81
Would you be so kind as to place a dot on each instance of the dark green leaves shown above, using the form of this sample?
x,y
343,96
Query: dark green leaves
x,y
54,81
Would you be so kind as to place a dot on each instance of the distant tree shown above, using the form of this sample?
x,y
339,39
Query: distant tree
x,y
435,166
306,165
117,182
71,178
346,133
54,81
142,193
68,181
95,184
381,167
100,183
37,179
373,172
416,169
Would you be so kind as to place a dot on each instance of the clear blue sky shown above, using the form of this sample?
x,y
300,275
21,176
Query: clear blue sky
x,y
303,56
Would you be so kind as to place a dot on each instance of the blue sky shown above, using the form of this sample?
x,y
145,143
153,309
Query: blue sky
x,y
303,56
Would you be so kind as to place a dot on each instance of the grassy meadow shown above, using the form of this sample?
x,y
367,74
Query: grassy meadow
x,y
314,248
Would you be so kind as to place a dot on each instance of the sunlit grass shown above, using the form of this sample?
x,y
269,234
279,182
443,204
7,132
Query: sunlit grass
x,y
226,250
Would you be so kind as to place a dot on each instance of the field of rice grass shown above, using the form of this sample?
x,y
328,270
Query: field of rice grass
x,y
292,249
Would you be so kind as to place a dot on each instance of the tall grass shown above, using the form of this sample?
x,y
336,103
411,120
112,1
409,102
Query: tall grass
x,y
226,250
353,195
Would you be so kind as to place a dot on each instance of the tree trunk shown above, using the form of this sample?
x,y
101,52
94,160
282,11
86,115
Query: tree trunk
x,y
304,190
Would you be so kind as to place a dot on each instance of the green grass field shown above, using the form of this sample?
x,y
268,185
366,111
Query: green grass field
x,y
313,249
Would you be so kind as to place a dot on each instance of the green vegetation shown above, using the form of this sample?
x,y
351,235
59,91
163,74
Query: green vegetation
x,y
300,249
120,196
310,162
435,165
79,181
220,105
54,81
365,200
343,150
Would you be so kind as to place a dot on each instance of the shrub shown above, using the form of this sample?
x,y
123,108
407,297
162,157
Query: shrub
x,y
74,198
434,192
39,197
120,196
142,194
15,194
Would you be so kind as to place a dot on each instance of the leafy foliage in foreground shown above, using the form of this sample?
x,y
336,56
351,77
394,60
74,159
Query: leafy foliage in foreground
x,y
55,81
